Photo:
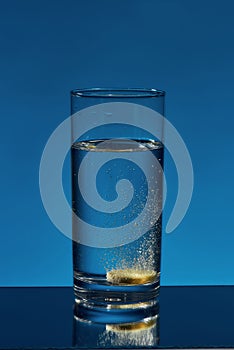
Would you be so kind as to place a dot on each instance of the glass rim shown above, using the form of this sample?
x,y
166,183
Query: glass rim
x,y
117,92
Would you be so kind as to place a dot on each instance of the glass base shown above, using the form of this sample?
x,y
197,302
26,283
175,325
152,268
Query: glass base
x,y
100,292
105,303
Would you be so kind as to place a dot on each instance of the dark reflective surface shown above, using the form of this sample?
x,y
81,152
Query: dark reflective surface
x,y
189,317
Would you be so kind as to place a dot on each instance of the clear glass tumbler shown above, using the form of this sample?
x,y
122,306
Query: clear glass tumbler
x,y
117,185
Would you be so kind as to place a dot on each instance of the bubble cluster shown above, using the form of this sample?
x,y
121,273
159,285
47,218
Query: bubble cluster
x,y
139,262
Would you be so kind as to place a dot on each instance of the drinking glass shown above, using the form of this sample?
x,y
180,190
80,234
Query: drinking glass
x,y
117,196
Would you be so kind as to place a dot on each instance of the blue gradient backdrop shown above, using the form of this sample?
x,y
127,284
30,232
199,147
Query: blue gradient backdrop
x,y
184,47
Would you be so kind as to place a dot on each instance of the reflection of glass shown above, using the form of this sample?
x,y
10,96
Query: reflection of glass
x,y
139,334
124,335
116,313
121,164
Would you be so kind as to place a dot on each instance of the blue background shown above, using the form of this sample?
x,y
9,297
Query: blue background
x,y
182,46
